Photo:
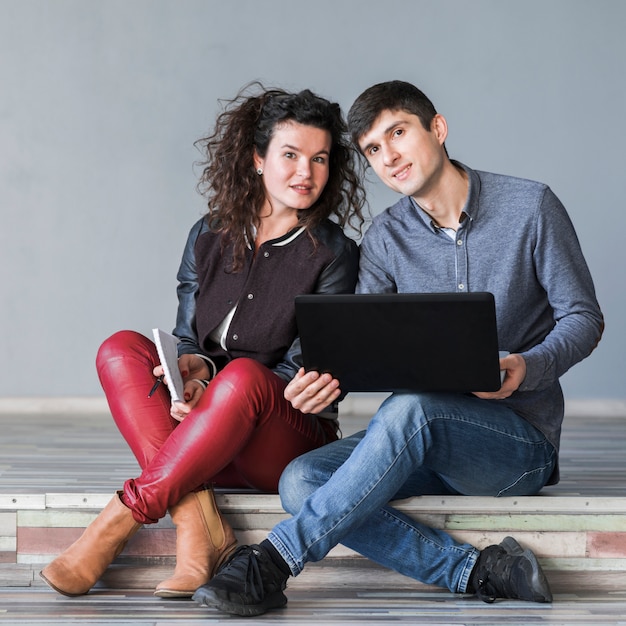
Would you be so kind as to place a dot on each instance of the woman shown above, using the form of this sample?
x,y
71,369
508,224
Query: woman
x,y
277,167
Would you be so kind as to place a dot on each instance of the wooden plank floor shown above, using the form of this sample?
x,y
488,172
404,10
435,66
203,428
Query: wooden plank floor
x,y
325,596
43,453
64,453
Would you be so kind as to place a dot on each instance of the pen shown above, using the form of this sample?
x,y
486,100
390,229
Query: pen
x,y
159,380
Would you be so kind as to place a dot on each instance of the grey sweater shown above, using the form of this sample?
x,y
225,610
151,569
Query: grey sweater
x,y
518,243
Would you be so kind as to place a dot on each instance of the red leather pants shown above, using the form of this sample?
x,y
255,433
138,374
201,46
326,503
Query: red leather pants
x,y
242,432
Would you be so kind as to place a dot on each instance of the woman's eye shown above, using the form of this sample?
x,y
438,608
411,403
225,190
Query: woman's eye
x,y
320,159
290,155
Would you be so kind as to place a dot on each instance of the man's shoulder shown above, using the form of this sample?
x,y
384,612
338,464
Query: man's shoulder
x,y
508,194
396,211
491,181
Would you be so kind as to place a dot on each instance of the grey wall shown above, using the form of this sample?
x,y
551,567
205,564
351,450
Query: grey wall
x,y
100,102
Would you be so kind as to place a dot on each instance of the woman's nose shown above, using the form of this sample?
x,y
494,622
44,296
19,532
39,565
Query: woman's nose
x,y
304,168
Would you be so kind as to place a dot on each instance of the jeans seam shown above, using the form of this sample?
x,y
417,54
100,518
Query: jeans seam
x,y
500,431
502,492
281,548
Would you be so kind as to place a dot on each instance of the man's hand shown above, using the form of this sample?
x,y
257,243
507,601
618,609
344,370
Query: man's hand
x,y
515,372
312,392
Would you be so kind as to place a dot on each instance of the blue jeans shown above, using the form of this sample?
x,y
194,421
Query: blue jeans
x,y
416,444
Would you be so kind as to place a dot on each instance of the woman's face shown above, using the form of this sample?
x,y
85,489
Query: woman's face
x,y
295,167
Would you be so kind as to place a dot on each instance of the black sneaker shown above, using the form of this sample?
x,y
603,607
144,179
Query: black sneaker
x,y
507,570
249,584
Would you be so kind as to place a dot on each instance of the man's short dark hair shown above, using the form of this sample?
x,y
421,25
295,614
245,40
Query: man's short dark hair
x,y
394,95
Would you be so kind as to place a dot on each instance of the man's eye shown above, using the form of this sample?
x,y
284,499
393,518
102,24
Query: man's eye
x,y
373,150
398,132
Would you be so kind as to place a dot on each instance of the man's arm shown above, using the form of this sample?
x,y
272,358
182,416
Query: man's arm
x,y
563,273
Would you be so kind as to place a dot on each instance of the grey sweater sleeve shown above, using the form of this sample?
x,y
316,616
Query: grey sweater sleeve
x,y
563,272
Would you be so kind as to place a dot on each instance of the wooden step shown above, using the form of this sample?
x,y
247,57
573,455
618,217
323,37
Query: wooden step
x,y
568,534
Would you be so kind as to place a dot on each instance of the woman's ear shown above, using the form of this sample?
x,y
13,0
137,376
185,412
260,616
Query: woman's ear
x,y
258,161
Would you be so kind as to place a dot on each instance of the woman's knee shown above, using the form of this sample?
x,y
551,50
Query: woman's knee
x,y
120,344
244,371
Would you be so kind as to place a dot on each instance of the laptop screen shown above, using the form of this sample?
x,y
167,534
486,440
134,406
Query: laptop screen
x,y
396,342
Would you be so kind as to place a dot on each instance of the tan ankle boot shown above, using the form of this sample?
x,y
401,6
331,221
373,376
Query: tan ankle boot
x,y
204,540
76,571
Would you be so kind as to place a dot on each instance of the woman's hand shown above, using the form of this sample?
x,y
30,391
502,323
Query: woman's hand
x,y
514,367
312,392
192,366
192,392
193,369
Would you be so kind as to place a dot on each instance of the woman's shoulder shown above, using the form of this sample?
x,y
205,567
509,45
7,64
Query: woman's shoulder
x,y
331,235
206,223
206,228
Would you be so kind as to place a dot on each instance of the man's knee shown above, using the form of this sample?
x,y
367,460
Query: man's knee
x,y
298,482
398,413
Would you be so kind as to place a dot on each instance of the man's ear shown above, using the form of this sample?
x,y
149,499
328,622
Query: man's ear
x,y
439,126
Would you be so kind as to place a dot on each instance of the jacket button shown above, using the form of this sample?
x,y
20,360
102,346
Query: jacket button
x,y
235,337
250,296
266,254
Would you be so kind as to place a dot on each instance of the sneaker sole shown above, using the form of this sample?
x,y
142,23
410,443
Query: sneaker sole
x,y
539,580
173,593
208,597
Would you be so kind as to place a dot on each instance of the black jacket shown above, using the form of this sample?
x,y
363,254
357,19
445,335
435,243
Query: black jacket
x,y
264,324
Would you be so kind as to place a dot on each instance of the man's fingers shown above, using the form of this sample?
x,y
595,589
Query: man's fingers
x,y
316,398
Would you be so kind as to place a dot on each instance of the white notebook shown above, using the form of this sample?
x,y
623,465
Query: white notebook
x,y
166,345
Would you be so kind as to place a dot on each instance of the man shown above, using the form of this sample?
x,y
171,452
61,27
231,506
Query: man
x,y
455,229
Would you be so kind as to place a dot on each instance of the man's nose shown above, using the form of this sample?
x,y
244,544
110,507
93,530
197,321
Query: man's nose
x,y
390,155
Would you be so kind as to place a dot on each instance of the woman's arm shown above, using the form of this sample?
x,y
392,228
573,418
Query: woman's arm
x,y
187,289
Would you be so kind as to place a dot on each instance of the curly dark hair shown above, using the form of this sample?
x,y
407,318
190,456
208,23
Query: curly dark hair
x,y
236,194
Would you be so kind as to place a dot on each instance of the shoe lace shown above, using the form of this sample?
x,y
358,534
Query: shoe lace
x,y
486,591
492,581
244,566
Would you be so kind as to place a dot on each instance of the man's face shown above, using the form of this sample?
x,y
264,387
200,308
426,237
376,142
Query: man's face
x,y
406,157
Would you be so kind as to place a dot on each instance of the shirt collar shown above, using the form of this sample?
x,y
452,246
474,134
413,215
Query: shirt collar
x,y
470,208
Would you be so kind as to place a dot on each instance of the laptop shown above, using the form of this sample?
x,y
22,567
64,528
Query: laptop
x,y
402,341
